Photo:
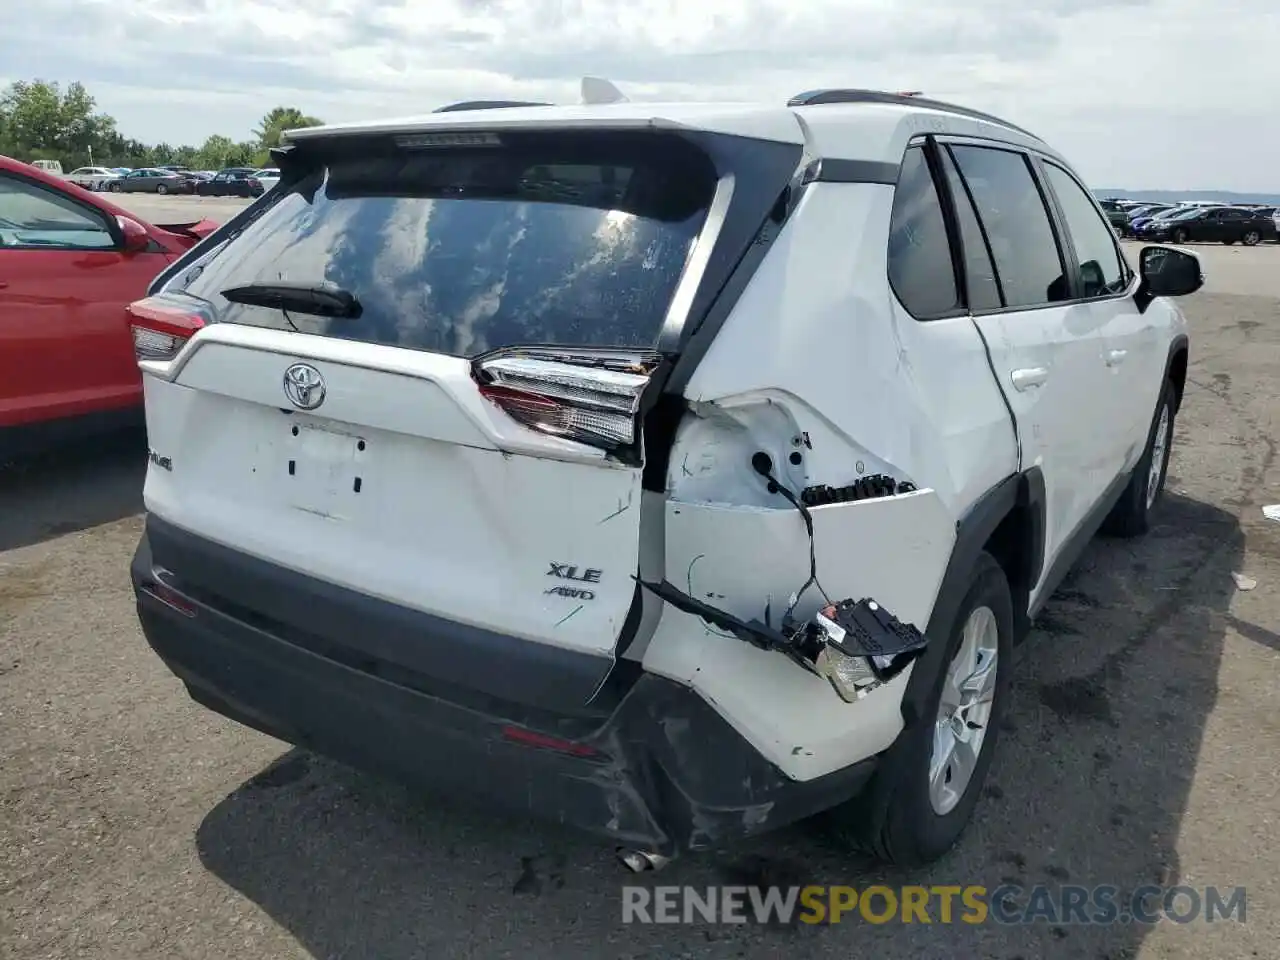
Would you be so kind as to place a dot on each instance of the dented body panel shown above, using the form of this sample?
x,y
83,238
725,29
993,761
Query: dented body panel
x,y
915,400
741,558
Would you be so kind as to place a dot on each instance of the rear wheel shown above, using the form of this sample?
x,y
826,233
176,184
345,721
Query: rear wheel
x,y
931,779
1180,236
1251,238
1131,516
161,189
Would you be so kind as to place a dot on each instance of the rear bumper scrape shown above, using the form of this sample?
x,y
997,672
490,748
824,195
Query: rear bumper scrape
x,y
663,772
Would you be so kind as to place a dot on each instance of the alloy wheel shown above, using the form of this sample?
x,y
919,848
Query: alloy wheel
x,y
1159,454
968,693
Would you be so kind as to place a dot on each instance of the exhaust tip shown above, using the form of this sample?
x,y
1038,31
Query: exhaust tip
x,y
641,861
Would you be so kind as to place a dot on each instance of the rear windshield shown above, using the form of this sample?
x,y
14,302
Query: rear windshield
x,y
467,250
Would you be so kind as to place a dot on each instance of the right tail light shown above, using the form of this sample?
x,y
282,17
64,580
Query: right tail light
x,y
595,403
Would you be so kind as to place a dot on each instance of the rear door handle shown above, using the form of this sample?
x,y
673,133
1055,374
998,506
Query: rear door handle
x,y
1029,377
1116,357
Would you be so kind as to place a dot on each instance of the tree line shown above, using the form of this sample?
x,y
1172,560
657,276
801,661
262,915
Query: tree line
x,y
41,121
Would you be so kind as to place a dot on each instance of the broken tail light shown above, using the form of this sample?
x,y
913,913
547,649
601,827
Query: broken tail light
x,y
160,329
591,400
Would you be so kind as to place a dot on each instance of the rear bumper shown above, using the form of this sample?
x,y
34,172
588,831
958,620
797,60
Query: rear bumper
x,y
662,771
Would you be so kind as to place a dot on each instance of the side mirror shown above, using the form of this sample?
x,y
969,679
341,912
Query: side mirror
x,y
133,235
1167,272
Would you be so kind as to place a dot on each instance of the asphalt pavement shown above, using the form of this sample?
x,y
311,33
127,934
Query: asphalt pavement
x,y
1143,748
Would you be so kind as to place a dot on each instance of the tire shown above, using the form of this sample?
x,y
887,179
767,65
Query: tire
x,y
115,188
161,189
1131,516
1251,238
1179,236
918,823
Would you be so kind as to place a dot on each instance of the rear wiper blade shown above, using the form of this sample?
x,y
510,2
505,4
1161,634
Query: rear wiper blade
x,y
321,299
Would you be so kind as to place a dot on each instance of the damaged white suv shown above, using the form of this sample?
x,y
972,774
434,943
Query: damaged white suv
x,y
674,471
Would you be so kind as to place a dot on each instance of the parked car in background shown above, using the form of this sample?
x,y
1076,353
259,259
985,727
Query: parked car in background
x,y
232,182
268,177
1139,212
1214,225
153,180
1138,225
48,166
92,178
1117,217
70,263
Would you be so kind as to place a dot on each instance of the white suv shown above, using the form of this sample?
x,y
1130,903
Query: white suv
x,y
674,471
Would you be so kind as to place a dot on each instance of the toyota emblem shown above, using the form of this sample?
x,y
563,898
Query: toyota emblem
x,y
304,386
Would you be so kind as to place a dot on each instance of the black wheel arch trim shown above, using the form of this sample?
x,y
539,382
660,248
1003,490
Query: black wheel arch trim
x,y
1023,491
1181,344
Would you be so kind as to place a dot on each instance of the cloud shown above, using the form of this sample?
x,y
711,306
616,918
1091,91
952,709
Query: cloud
x,y
1158,93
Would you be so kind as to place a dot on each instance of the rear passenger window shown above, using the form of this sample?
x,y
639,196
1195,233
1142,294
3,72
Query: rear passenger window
x,y
980,275
1018,228
920,269
1100,268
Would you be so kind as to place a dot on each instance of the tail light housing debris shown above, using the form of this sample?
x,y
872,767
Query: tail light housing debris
x,y
592,399
160,329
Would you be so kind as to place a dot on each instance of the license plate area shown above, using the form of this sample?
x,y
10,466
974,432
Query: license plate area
x,y
324,469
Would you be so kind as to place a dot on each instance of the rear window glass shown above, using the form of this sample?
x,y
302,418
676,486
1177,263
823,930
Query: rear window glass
x,y
464,251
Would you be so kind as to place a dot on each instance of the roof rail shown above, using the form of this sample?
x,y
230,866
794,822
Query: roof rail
x,y
812,98
487,105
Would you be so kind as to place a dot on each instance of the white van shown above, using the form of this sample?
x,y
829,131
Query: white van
x,y
48,166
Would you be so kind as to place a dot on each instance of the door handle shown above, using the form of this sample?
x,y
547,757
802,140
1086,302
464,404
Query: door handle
x,y
1116,357
1029,377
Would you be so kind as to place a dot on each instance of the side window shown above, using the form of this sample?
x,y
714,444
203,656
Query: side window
x,y
980,274
31,216
1100,267
1018,229
920,269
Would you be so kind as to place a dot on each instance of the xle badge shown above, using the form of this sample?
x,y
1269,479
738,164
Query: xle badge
x,y
568,571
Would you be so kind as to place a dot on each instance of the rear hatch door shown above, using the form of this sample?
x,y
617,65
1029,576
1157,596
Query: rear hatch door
x,y
461,439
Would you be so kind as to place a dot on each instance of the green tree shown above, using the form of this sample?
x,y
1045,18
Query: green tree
x,y
214,153
40,120
280,119
244,155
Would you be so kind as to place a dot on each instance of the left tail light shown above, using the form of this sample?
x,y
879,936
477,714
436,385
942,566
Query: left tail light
x,y
160,329
589,400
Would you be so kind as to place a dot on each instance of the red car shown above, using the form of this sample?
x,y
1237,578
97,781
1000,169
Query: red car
x,y
70,262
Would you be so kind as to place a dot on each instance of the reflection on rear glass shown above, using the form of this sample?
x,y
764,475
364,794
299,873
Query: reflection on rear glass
x,y
477,253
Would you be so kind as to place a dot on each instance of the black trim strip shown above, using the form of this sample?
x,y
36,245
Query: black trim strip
x,y
836,170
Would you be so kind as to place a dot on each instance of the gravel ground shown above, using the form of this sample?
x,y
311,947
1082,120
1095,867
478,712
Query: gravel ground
x,y
1143,748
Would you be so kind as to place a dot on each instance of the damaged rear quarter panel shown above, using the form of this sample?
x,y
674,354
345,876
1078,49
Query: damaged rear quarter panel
x,y
822,369
893,549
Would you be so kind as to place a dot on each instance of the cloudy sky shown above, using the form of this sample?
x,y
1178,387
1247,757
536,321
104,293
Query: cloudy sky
x,y
1139,93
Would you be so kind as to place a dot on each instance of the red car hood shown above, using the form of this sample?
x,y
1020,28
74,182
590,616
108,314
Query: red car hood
x,y
187,235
